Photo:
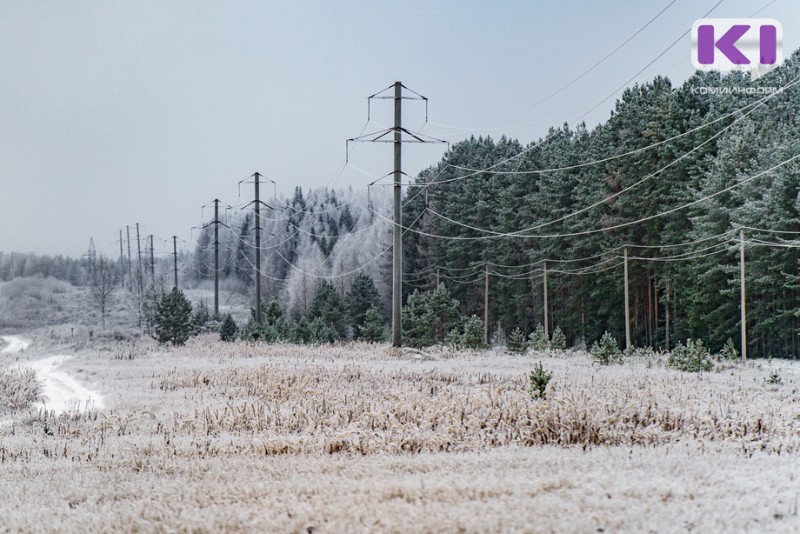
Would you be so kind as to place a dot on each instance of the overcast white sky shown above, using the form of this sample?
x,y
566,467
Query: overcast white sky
x,y
116,112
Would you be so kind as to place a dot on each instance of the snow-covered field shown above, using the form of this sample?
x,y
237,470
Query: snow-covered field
x,y
238,437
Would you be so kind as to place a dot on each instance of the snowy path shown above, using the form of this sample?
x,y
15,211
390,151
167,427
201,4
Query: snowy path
x,y
60,391
15,344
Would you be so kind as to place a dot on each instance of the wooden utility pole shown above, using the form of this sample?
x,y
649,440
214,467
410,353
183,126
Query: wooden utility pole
x,y
257,206
130,262
397,246
175,258
486,307
666,310
216,257
438,277
121,261
627,305
140,281
546,307
743,294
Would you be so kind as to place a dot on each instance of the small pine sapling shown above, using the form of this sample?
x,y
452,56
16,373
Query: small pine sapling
x,y
559,340
774,379
516,342
473,333
692,357
538,341
606,351
228,330
539,378
173,318
453,338
729,351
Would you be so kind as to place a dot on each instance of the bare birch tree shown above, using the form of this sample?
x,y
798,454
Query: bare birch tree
x,y
102,279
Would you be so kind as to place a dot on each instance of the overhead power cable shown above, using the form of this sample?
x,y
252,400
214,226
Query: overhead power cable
x,y
519,234
575,79
659,56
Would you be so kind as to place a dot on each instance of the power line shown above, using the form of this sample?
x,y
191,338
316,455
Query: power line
x,y
474,172
518,234
629,80
582,74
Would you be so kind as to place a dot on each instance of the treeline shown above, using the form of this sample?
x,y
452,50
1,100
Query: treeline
x,y
322,234
16,265
694,294
332,316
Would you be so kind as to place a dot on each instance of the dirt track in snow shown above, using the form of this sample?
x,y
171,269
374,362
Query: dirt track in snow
x,y
15,344
60,392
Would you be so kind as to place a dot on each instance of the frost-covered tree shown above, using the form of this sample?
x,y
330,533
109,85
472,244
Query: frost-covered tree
x,y
102,281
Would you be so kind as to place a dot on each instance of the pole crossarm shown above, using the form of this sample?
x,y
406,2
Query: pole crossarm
x,y
381,137
399,136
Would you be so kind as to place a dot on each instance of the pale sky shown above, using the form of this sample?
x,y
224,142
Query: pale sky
x,y
113,112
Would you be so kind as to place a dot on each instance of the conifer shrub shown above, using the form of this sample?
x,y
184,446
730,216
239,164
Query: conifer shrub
x,y
274,326
559,340
539,379
322,333
516,342
228,330
373,330
328,307
362,296
473,333
692,357
301,332
729,351
537,340
606,351
453,339
774,379
429,316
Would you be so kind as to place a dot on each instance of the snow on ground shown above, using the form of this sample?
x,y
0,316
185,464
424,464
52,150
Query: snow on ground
x,y
60,392
239,437
14,344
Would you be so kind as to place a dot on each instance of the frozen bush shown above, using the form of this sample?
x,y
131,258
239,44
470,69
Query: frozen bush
x,y
19,389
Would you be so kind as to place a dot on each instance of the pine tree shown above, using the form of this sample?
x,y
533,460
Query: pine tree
x,y
559,340
201,316
537,340
363,296
173,318
473,333
373,329
516,341
228,330
429,316
328,307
